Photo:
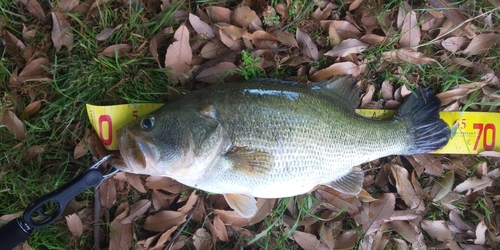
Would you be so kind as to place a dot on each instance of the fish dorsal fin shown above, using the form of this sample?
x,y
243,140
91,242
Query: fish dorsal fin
x,y
244,205
352,183
209,111
250,162
340,87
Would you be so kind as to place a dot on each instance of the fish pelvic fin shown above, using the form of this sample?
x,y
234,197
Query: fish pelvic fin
x,y
244,205
351,183
426,131
250,162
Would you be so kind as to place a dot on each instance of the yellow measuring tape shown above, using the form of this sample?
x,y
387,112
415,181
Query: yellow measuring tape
x,y
472,132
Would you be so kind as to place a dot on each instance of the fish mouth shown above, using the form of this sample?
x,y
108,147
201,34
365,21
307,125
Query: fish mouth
x,y
137,152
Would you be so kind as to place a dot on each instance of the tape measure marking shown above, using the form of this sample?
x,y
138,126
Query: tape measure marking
x,y
472,132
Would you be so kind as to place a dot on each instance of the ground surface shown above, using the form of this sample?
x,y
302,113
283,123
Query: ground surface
x,y
59,55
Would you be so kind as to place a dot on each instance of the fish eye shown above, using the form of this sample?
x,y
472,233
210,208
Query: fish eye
x,y
148,123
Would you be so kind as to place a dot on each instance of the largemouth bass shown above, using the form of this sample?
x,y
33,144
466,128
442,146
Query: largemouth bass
x,y
271,139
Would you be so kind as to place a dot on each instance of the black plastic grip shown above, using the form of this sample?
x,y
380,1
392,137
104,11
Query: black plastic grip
x,y
35,216
13,234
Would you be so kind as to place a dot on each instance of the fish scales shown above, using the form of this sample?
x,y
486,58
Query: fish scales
x,y
269,139
315,139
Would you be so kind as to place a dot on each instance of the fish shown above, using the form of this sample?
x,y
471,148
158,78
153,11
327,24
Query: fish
x,y
268,138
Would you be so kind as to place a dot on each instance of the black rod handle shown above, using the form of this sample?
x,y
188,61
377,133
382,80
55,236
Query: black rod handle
x,y
13,233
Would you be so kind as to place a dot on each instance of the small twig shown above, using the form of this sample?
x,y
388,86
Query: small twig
x,y
457,27
297,18
97,212
179,230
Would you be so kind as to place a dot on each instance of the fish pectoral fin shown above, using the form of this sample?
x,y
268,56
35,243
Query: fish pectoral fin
x,y
244,205
250,162
352,183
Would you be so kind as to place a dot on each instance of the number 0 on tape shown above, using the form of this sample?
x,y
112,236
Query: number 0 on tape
x,y
472,132
106,120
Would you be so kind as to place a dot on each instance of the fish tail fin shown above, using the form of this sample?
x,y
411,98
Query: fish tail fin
x,y
427,132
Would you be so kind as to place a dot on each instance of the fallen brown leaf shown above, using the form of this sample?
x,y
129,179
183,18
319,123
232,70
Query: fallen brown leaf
x,y
165,183
118,50
410,31
75,225
32,108
202,239
12,44
135,181
437,230
454,44
442,187
234,32
164,220
307,45
335,200
214,49
406,56
35,9
346,47
164,238
458,222
333,35
201,27
264,207
458,92
372,39
13,124
454,15
409,232
34,68
262,39
220,228
243,16
286,38
346,240
179,54
404,187
120,235
80,150
232,218
107,193
473,184
232,44
137,210
67,5
219,14
481,43
336,69
480,233
344,29
431,164
217,73
323,13
106,33
380,210
35,151
364,196
62,34
308,241
490,154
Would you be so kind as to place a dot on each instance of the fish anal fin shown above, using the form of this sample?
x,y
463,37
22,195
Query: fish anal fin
x,y
244,205
352,183
250,162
